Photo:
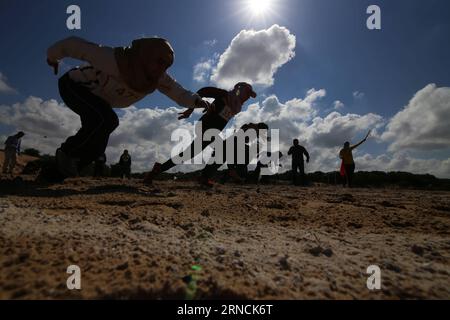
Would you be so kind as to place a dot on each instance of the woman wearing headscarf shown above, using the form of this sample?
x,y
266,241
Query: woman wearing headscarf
x,y
112,78
348,164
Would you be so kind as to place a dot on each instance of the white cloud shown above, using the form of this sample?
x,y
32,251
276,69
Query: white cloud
x,y
401,161
44,122
203,69
358,95
272,110
210,43
335,129
297,118
145,133
4,86
423,124
254,57
337,105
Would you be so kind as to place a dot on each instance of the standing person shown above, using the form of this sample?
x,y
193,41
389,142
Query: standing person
x,y
125,165
348,164
12,149
114,78
99,165
298,162
225,106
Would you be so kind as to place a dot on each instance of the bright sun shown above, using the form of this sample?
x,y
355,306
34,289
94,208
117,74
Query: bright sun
x,y
259,7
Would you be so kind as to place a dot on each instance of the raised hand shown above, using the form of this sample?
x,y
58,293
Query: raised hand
x,y
185,114
368,134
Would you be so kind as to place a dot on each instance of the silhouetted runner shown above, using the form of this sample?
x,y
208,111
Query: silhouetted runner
x,y
225,106
348,164
237,171
125,165
114,78
298,162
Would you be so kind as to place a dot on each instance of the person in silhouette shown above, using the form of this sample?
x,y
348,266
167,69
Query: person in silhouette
x,y
125,164
226,105
298,162
348,164
113,78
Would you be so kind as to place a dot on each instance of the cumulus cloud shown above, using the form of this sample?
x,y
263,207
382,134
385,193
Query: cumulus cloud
x,y
4,86
254,57
335,129
423,124
44,122
203,69
271,109
146,133
402,161
297,118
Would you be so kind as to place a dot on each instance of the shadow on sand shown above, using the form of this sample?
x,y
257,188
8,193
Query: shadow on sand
x,y
21,188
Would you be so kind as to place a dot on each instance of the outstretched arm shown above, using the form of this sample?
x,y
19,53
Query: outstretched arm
x,y
358,144
78,48
183,97
211,92
361,142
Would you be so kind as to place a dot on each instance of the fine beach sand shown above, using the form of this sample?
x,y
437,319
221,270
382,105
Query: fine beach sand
x,y
271,242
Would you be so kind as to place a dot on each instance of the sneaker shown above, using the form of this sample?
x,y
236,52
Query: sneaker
x,y
152,174
68,166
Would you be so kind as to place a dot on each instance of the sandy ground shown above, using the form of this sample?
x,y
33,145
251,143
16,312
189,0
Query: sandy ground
x,y
278,241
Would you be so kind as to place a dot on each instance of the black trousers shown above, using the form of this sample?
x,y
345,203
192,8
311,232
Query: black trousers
x,y
296,168
98,121
349,171
209,121
125,171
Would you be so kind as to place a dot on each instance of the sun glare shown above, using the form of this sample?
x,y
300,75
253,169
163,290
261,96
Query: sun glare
x,y
259,7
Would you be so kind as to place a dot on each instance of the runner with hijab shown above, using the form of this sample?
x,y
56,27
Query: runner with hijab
x,y
112,78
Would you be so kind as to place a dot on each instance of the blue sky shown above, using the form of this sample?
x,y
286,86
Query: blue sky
x,y
334,49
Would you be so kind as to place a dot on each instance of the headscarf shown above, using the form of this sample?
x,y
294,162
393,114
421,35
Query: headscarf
x,y
238,95
135,62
